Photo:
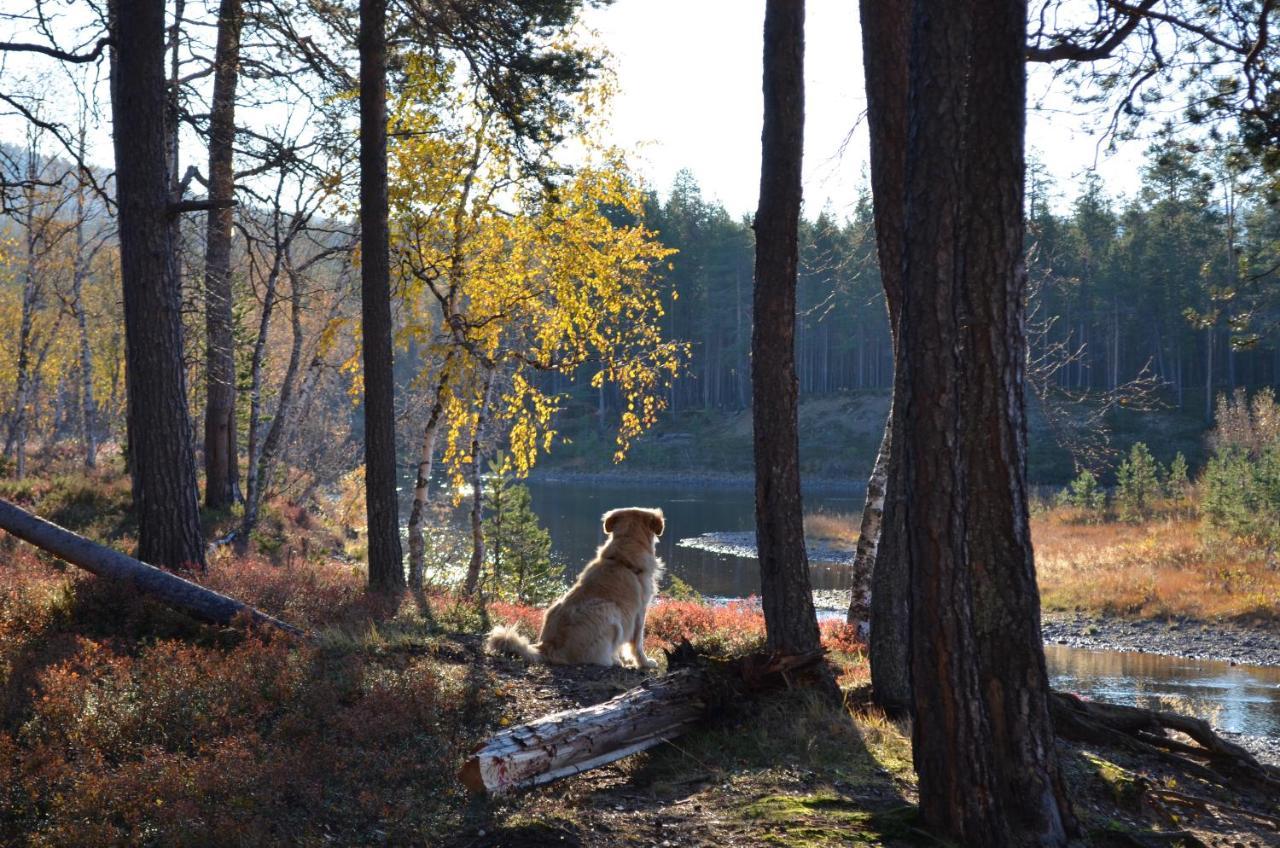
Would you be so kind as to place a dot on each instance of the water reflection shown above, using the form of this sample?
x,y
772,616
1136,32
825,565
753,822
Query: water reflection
x,y
571,512
1240,699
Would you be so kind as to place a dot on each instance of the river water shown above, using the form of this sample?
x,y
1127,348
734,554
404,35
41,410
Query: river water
x,y
1239,699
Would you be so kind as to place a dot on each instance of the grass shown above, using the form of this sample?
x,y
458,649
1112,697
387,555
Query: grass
x,y
1167,567
1170,566
124,723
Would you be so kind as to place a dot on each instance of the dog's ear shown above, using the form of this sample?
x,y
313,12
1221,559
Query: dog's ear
x,y
610,518
656,521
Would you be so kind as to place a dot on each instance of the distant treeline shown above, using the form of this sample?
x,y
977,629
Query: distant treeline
x,y
1179,280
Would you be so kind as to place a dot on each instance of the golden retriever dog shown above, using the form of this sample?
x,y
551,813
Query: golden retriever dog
x,y
600,620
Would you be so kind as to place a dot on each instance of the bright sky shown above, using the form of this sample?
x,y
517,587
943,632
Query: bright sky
x,y
689,78
688,74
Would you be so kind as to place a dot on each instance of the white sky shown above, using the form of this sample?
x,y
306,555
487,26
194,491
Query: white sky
x,y
689,97
688,74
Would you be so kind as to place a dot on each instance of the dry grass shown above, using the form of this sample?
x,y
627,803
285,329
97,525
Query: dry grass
x,y
833,528
1166,567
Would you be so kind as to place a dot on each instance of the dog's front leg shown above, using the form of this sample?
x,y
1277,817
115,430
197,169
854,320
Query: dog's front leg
x,y
637,643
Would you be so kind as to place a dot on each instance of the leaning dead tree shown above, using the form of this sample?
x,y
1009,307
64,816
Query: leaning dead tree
x,y
168,588
573,741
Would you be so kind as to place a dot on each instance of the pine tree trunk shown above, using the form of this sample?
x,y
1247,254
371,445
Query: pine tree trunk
x,y
982,740
386,564
886,34
790,621
161,459
221,457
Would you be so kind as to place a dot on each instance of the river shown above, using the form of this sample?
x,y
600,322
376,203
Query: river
x,y
1239,699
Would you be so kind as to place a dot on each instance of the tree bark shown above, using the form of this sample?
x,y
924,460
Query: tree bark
x,y
422,485
15,443
982,740
790,621
477,492
386,565
161,459
80,273
195,600
221,458
253,499
573,741
886,38
864,558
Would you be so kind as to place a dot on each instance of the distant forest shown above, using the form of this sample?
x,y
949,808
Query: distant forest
x,y
1177,282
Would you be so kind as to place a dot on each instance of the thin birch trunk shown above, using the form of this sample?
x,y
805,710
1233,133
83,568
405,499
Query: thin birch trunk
x,y
421,488
864,559
88,411
477,492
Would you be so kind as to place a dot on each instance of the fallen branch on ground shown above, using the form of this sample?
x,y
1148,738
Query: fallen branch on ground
x,y
660,709
166,587
1146,732
573,741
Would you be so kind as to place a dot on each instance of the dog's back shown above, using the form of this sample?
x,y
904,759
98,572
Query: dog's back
x,y
605,605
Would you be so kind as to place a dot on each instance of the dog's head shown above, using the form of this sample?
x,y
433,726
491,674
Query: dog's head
x,y
632,519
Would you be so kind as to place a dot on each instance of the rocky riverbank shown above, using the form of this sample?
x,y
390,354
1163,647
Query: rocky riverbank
x,y
1202,640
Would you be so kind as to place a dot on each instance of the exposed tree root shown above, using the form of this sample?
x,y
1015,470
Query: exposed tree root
x,y
1144,731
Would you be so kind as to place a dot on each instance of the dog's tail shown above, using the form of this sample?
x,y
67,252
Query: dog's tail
x,y
506,639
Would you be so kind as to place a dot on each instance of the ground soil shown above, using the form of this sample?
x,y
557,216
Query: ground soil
x,y
742,781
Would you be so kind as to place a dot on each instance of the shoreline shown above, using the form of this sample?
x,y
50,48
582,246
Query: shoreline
x,y
1188,638
1229,642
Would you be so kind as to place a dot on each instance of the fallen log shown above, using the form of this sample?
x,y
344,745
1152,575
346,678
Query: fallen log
x,y
168,588
660,709
573,741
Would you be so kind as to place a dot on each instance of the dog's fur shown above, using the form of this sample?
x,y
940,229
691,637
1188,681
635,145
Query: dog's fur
x,y
600,620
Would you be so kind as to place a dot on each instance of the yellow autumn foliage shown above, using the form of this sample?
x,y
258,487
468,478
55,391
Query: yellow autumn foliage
x,y
515,277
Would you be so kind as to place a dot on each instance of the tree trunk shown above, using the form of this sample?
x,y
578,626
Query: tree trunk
x,y
16,439
161,459
864,558
274,440
253,499
221,458
886,36
386,565
1208,374
422,485
982,740
195,600
790,622
477,492
88,411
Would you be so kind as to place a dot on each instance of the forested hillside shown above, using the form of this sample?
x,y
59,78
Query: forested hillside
x,y
1123,289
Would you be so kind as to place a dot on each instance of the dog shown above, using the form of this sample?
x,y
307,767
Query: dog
x,y
600,620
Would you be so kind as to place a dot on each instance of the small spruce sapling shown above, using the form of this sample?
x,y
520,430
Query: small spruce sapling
x,y
521,565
